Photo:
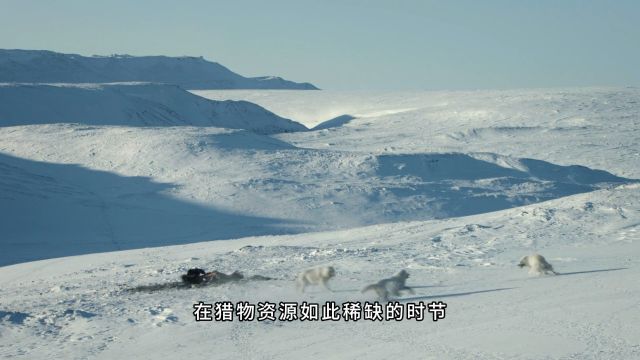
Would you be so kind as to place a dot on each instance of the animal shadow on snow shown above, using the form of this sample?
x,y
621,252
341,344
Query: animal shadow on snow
x,y
359,290
542,277
590,271
448,295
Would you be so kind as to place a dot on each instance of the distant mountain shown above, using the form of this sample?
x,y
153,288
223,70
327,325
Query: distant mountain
x,y
132,104
42,66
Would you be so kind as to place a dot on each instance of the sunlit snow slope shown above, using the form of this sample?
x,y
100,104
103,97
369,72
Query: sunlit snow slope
x,y
453,186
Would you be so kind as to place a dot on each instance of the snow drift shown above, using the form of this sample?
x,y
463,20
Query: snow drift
x,y
41,66
132,104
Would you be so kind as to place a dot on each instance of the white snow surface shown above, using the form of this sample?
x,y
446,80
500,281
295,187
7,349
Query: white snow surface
x,y
454,187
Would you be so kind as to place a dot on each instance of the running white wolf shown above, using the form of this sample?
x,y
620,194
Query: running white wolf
x,y
390,286
315,276
537,265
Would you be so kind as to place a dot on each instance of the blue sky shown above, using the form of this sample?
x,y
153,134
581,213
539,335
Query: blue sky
x,y
349,44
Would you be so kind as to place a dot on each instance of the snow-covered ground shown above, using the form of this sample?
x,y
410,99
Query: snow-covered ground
x,y
455,187
593,127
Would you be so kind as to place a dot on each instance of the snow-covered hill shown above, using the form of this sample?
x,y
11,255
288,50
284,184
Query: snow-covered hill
x,y
131,104
593,127
204,184
41,66
453,186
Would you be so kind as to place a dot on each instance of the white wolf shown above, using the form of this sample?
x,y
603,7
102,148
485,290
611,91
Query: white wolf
x,y
390,286
537,264
315,276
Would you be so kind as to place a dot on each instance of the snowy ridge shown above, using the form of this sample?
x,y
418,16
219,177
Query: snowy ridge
x,y
132,104
41,66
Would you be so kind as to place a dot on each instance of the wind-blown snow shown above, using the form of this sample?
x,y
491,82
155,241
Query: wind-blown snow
x,y
454,187
41,66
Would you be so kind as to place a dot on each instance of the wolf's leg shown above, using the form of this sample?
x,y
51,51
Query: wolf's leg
x,y
383,294
326,285
300,285
409,289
